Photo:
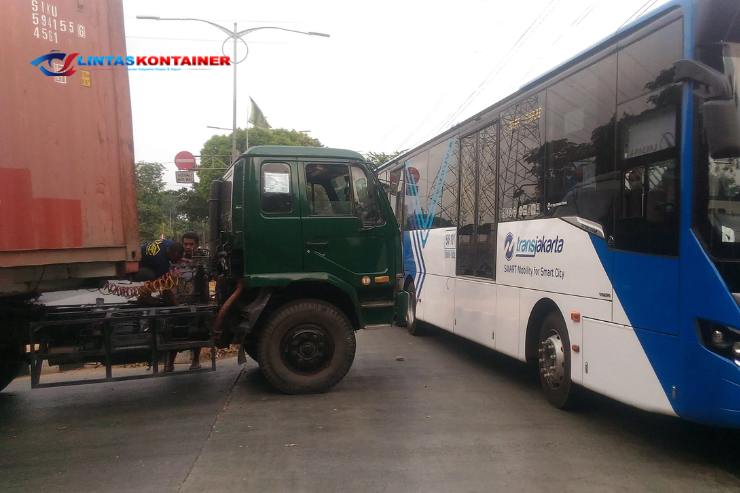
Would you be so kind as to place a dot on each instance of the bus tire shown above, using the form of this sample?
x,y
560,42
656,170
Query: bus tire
x,y
555,362
306,347
11,362
413,326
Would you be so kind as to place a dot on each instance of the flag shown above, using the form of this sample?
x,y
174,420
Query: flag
x,y
256,117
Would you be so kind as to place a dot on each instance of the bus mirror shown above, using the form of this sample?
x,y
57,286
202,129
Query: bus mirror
x,y
721,116
712,83
722,126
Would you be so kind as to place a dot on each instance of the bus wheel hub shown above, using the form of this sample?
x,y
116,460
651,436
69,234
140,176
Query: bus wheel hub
x,y
552,360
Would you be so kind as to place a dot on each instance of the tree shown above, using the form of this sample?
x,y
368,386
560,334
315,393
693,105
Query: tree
x,y
167,212
218,146
377,159
149,188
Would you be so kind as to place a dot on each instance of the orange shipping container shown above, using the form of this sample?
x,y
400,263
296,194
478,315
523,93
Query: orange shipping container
x,y
67,185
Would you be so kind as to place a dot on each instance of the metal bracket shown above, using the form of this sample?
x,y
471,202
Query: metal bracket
x,y
108,319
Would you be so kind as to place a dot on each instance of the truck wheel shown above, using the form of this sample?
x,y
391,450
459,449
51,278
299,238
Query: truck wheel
x,y
412,324
306,347
554,362
11,363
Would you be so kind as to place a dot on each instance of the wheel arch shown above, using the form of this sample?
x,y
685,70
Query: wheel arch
x,y
408,280
313,289
537,316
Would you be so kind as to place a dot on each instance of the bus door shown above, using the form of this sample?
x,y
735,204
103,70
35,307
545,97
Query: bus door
x,y
478,302
646,235
646,266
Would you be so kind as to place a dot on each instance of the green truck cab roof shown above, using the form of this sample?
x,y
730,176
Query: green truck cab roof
x,y
295,151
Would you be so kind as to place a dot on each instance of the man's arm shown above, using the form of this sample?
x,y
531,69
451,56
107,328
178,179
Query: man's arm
x,y
168,295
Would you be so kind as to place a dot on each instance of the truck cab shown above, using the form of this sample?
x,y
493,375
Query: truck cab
x,y
306,251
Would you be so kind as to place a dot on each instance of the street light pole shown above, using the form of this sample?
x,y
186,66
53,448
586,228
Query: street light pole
x,y
235,36
233,124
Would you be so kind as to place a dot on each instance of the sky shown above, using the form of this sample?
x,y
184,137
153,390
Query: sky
x,y
392,74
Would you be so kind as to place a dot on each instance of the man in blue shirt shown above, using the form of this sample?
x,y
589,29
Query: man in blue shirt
x,y
157,259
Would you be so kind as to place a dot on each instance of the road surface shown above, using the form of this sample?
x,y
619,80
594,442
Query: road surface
x,y
450,416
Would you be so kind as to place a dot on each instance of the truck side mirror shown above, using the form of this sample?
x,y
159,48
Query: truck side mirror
x,y
721,116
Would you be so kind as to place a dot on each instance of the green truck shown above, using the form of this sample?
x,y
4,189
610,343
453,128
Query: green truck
x,y
307,251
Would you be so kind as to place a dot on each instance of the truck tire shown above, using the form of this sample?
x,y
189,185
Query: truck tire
x,y
306,347
11,363
555,361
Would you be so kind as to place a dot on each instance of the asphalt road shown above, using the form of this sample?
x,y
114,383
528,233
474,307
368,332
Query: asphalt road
x,y
450,417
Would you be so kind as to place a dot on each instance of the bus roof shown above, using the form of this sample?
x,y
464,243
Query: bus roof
x,y
297,151
620,33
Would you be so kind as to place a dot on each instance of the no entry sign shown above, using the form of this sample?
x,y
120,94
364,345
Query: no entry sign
x,y
184,160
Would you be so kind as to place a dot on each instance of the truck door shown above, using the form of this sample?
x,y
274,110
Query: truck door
x,y
274,222
340,218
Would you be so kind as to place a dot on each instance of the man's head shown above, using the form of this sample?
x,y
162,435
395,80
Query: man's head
x,y
175,252
190,242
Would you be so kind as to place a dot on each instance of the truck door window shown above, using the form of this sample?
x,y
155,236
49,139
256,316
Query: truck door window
x,y
365,203
275,193
328,189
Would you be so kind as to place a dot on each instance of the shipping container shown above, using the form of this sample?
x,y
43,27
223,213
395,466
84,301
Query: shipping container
x,y
67,184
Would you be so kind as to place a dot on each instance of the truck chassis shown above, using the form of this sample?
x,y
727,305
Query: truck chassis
x,y
118,334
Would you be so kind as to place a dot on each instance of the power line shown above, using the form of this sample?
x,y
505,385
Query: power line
x,y
540,18
535,24
209,40
238,20
502,63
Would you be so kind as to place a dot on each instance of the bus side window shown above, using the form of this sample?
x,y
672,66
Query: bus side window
x,y
648,127
580,153
521,171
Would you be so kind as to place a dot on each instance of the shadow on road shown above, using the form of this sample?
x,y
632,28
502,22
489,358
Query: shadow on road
x,y
667,435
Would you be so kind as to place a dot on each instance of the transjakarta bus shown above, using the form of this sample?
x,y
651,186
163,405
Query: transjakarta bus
x,y
590,222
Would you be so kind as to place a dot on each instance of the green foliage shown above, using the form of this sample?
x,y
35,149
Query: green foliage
x,y
216,152
149,188
377,159
168,212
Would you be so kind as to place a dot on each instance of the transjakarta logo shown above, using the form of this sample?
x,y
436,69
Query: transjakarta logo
x,y
531,247
509,246
113,61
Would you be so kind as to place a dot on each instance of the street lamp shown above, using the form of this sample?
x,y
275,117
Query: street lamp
x,y
234,35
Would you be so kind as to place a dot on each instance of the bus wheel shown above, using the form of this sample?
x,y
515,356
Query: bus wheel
x,y
11,362
554,361
413,326
306,347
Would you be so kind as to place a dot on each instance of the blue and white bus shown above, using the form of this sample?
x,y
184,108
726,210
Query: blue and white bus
x,y
590,222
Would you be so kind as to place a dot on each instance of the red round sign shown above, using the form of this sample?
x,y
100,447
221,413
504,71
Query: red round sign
x,y
414,175
184,160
